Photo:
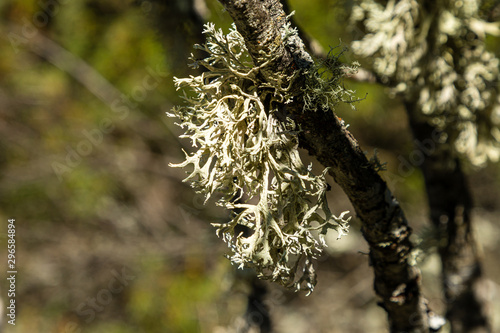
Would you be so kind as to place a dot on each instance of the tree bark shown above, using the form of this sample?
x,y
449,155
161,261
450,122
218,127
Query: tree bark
x,y
385,228
450,204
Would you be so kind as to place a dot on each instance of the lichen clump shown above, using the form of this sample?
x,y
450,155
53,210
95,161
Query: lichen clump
x,y
248,159
435,55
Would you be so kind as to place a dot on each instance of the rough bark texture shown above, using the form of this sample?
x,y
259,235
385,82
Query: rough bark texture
x,y
450,206
385,227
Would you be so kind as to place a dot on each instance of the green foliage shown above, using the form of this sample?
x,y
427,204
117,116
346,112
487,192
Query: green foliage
x,y
437,58
250,157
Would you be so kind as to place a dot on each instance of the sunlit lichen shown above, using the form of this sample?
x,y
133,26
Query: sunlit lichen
x,y
324,87
248,155
435,55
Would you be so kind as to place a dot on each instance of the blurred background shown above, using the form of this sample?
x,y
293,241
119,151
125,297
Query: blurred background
x,y
109,238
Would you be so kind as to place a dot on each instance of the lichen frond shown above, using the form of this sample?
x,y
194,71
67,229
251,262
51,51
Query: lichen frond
x,y
438,59
249,160
324,87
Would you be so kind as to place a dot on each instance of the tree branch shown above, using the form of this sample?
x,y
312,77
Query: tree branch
x,y
450,203
397,280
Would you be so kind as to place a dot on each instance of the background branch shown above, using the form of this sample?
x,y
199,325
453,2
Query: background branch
x,y
450,205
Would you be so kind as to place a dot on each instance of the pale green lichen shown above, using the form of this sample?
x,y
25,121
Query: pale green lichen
x,y
437,58
249,160
324,87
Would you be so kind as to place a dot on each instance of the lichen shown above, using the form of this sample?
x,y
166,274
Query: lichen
x,y
436,56
247,158
324,87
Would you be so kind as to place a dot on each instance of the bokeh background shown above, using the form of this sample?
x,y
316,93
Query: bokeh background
x,y
109,238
